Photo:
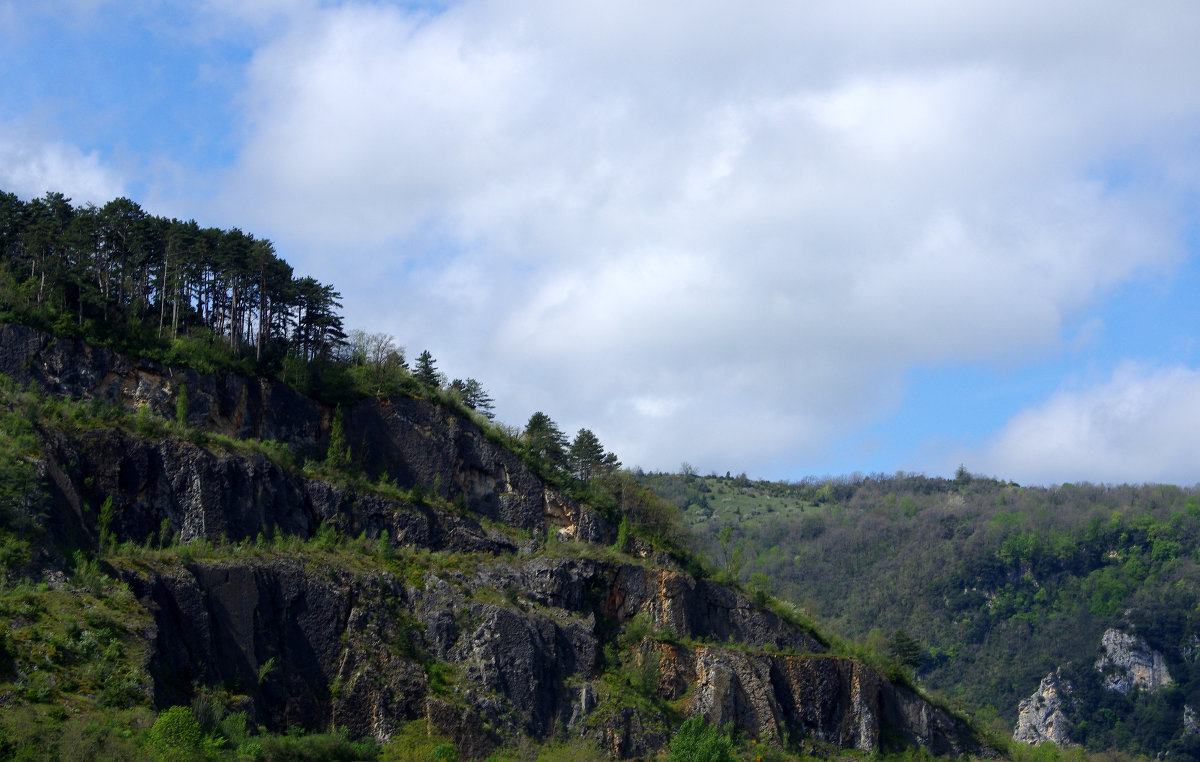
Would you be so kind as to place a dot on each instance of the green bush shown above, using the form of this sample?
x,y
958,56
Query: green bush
x,y
622,543
698,741
175,734
443,752
323,747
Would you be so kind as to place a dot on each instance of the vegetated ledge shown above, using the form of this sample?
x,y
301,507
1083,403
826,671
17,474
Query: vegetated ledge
x,y
464,590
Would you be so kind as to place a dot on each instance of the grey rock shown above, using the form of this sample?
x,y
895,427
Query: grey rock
x,y
694,608
1129,664
1042,718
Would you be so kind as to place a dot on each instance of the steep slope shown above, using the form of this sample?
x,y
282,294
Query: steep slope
x,y
442,580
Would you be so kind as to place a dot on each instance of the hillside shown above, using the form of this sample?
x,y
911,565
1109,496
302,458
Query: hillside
x,y
179,539
985,587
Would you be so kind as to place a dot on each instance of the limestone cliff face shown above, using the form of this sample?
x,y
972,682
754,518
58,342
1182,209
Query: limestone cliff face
x,y
1128,664
463,617
1043,717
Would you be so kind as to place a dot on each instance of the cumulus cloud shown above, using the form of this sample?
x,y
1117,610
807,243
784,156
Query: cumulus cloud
x,y
29,167
1142,425
719,234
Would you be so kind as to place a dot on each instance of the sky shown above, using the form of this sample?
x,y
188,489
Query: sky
x,y
780,239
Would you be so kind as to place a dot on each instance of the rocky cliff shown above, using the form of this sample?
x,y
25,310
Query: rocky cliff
x,y
1129,664
446,582
1044,716
1126,665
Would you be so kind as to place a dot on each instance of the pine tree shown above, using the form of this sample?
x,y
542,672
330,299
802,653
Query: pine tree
x,y
472,394
586,455
545,440
905,649
426,371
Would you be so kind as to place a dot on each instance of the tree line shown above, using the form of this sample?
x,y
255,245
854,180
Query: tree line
x,y
96,272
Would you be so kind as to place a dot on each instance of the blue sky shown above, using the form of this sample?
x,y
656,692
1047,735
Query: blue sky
x,y
782,240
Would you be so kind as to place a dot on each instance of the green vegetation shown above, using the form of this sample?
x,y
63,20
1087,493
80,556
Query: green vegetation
x,y
698,741
163,288
980,587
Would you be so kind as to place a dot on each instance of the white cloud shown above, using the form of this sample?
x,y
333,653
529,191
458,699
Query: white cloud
x,y
720,234
29,167
1142,425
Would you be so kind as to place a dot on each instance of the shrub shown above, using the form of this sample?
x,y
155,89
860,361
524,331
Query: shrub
x,y
443,752
622,543
698,741
175,734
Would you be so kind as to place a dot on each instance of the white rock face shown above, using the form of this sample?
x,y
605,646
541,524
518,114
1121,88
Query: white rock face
x,y
1128,663
1190,726
1042,717
1190,649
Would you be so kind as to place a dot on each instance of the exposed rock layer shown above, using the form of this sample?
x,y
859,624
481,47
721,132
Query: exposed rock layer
x,y
493,637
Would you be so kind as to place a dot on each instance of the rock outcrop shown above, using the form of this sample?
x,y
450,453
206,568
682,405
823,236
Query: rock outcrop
x,y
1042,718
450,606
1129,664
404,439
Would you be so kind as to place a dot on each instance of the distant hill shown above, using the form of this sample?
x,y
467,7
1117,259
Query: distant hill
x,y
998,584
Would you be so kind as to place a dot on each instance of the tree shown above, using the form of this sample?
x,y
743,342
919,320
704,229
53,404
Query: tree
x,y
472,394
426,371
545,440
318,326
731,553
905,649
379,361
338,454
587,458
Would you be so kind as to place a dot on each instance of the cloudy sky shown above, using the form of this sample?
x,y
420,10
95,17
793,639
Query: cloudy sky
x,y
788,239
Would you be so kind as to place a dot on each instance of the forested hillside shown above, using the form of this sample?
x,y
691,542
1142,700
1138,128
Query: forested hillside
x,y
983,586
